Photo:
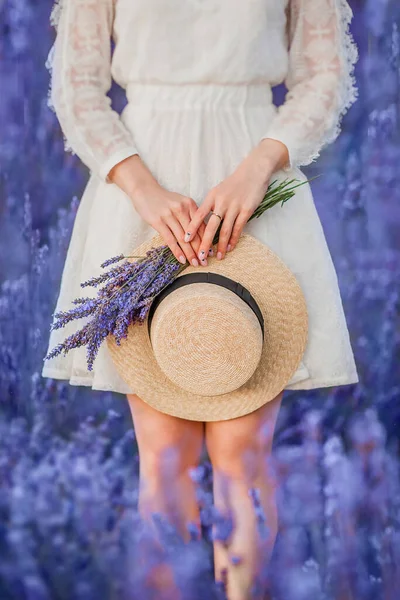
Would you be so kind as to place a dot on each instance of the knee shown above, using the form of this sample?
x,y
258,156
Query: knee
x,y
241,457
161,462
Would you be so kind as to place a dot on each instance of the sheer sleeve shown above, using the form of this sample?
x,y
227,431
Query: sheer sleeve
x,y
320,80
79,63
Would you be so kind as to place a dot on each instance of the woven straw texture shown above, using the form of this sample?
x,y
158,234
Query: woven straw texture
x,y
280,298
206,339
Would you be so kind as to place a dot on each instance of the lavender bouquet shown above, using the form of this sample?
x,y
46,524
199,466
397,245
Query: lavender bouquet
x,y
129,288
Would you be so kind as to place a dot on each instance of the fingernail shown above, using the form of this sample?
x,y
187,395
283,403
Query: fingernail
x,y
202,255
219,255
187,236
182,259
210,252
229,248
203,262
195,262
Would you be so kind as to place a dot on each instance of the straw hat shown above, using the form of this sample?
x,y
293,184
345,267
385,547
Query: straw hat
x,y
220,341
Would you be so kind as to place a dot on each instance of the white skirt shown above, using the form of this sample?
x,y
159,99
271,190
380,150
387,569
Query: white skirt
x,y
191,137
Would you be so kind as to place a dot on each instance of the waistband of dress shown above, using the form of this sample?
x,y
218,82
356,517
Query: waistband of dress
x,y
192,95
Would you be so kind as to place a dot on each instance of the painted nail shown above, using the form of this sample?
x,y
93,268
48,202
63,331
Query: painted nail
x,y
204,262
187,236
201,255
219,255
229,248
195,262
211,252
182,259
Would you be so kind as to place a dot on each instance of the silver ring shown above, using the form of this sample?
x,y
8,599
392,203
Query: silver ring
x,y
214,213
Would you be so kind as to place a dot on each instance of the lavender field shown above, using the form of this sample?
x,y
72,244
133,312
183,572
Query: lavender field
x,y
69,528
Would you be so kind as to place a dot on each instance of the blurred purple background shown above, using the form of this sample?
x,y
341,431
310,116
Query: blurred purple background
x,y
68,461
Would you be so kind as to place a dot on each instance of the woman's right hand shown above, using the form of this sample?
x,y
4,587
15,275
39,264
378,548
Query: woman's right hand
x,y
169,213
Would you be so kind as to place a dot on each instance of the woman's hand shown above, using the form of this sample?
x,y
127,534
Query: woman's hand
x,y
167,212
236,198
170,213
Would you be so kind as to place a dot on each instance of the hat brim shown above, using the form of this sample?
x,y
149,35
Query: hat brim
x,y
282,303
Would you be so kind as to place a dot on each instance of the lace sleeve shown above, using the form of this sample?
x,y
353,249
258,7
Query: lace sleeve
x,y
320,79
79,63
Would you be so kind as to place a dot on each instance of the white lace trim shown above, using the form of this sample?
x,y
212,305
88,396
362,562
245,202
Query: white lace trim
x,y
348,92
54,20
55,13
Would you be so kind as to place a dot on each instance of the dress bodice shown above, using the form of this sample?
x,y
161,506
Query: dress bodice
x,y
304,43
200,41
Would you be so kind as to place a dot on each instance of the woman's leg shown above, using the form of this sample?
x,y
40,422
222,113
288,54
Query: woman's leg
x,y
240,453
168,448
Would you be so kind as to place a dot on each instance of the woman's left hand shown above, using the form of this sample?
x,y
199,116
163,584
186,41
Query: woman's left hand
x,y
236,198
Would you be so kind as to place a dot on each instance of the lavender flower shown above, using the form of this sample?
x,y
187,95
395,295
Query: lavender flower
x,y
263,529
111,261
85,307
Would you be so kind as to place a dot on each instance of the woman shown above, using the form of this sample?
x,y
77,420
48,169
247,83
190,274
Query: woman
x,y
200,132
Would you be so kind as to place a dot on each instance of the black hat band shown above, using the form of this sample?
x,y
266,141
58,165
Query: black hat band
x,y
208,277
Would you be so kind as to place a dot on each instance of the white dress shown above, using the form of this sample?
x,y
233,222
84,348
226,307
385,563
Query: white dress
x,y
198,77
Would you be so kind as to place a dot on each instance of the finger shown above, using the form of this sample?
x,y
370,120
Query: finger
x,y
225,233
199,236
178,231
196,241
184,219
201,229
211,249
199,216
170,239
207,239
237,229
182,214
